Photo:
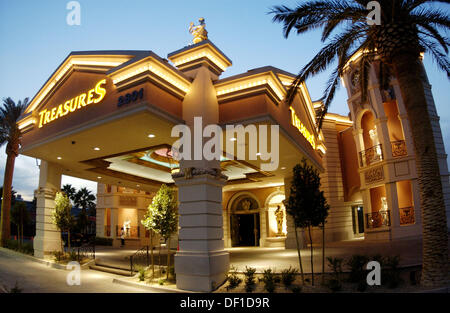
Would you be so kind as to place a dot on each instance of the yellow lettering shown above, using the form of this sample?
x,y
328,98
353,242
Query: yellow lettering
x,y
47,118
73,106
295,121
41,117
90,95
49,115
100,91
53,114
66,108
81,100
59,113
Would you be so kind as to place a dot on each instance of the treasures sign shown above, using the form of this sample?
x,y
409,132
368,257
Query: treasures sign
x,y
95,95
301,128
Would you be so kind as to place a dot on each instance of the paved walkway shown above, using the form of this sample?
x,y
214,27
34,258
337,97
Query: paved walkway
x,y
32,276
410,252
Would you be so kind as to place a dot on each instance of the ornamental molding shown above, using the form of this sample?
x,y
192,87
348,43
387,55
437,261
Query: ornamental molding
x,y
374,175
190,172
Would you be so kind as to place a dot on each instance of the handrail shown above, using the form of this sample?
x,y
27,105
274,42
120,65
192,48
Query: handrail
x,y
378,219
138,257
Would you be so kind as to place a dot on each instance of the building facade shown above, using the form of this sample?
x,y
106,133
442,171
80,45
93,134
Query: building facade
x,y
108,116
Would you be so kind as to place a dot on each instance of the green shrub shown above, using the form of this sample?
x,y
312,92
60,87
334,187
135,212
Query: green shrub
x,y
12,244
362,286
392,272
233,279
58,255
288,276
336,266
334,285
15,289
27,248
249,278
73,255
101,241
269,279
357,271
141,274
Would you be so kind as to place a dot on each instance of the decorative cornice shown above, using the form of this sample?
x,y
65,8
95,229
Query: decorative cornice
x,y
190,172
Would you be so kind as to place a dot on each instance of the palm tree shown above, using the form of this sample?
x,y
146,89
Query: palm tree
x,y
408,28
84,199
11,135
69,191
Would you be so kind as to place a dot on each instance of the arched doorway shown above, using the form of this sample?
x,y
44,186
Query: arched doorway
x,y
244,221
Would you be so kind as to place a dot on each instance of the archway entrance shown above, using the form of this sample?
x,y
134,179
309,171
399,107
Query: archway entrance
x,y
244,221
245,230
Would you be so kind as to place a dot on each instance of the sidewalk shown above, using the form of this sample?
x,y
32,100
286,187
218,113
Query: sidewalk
x,y
32,276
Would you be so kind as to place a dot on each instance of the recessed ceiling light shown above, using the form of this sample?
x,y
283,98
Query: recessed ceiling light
x,y
151,136
59,158
96,148
138,185
99,177
259,153
233,139
283,168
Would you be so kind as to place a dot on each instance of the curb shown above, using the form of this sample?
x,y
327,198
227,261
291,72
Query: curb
x,y
42,261
150,288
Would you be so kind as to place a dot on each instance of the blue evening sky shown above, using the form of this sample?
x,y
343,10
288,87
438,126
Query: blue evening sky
x,y
35,39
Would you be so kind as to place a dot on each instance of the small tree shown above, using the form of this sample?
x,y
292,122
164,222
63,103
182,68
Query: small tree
x,y
20,217
162,217
62,216
306,204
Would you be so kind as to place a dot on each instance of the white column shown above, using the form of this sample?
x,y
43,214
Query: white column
x,y
48,237
201,264
100,222
114,220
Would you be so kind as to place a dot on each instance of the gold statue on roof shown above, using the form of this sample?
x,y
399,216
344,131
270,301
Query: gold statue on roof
x,y
198,31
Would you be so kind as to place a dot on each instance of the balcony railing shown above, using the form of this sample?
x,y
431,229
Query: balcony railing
x,y
378,219
371,155
407,216
399,148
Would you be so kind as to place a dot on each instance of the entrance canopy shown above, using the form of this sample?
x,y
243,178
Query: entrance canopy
x,y
107,116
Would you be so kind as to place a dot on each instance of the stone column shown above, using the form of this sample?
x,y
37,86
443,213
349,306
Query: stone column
x,y
201,264
114,220
48,237
100,222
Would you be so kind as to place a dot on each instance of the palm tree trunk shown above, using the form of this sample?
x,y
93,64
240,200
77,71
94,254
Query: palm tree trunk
x,y
5,227
168,259
312,260
151,253
411,77
299,257
323,253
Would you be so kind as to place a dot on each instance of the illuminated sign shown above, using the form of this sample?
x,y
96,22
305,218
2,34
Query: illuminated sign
x,y
301,128
49,115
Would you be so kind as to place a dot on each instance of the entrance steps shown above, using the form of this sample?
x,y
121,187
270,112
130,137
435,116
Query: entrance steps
x,y
113,269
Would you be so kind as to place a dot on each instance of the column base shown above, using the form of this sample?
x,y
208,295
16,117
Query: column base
x,y
202,272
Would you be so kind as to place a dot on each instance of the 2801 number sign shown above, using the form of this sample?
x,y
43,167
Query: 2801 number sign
x,y
131,97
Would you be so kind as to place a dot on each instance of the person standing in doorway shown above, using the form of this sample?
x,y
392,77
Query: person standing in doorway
x,y
122,237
